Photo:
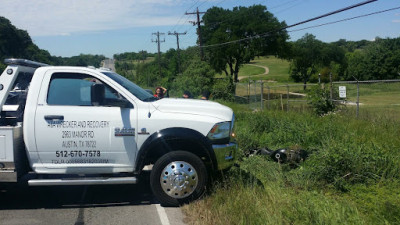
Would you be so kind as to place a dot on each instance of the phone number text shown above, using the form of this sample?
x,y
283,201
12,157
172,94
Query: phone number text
x,y
89,153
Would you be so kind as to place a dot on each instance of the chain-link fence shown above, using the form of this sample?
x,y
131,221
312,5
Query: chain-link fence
x,y
382,96
360,96
262,95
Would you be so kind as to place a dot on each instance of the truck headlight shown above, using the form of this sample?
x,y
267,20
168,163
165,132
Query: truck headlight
x,y
220,133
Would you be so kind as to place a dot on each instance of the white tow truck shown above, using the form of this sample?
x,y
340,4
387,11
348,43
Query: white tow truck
x,y
85,126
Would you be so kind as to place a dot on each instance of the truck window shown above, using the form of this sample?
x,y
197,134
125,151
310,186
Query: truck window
x,y
131,87
74,89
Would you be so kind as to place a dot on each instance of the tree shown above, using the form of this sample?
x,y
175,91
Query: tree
x,y
140,56
306,54
239,35
379,60
16,43
310,56
196,78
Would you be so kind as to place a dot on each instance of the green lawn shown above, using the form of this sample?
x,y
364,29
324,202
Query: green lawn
x,y
373,94
278,70
249,70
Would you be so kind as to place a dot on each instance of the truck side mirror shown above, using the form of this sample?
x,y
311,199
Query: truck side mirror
x,y
97,93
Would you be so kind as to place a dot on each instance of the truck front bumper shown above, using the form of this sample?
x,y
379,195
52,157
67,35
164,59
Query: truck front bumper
x,y
225,155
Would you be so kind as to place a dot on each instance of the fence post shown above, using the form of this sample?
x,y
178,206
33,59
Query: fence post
x,y
255,93
358,98
287,107
262,95
330,80
248,93
269,98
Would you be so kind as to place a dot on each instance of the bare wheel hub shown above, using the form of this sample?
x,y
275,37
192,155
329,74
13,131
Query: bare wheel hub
x,y
179,179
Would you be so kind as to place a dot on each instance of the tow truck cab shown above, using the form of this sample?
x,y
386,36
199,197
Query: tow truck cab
x,y
93,126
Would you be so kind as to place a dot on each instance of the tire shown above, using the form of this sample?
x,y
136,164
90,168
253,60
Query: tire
x,y
177,178
279,156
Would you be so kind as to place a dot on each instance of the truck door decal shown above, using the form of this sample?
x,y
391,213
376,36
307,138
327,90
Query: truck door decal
x,y
124,132
85,122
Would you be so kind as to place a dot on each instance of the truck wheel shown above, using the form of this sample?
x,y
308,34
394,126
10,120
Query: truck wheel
x,y
178,177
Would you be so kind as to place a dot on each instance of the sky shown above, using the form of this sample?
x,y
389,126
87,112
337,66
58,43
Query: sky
x,y
107,27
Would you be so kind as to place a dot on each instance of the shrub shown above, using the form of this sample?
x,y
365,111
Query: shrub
x,y
224,89
196,78
319,98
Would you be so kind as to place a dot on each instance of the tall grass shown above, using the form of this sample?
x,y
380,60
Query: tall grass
x,y
351,177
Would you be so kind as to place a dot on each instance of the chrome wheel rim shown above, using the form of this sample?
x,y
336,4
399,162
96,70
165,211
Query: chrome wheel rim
x,y
179,179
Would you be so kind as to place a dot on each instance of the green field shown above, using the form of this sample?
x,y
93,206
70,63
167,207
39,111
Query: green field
x,y
374,94
278,70
249,70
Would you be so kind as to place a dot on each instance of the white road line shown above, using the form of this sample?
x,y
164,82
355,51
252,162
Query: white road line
x,y
162,214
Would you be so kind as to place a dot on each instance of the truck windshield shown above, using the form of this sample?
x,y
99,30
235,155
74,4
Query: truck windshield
x,y
131,87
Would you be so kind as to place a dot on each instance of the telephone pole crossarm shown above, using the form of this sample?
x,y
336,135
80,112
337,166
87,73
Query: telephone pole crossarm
x,y
158,41
198,29
178,50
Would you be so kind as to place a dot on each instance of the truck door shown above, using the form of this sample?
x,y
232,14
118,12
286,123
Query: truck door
x,y
78,132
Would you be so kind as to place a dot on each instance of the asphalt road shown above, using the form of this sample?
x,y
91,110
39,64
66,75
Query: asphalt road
x,y
109,63
84,205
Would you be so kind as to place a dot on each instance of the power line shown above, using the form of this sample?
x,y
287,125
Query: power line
x,y
283,4
273,7
289,7
347,19
332,13
293,25
216,4
184,14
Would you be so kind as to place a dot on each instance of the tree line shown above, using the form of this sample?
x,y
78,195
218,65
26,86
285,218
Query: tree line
x,y
16,43
312,59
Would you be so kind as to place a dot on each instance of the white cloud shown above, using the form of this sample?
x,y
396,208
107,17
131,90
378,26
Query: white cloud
x,y
65,17
396,21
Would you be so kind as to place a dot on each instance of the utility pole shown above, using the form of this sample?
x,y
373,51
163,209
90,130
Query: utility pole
x,y
198,29
158,45
142,56
177,43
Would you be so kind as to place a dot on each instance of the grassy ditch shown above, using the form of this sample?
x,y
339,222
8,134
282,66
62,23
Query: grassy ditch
x,y
352,175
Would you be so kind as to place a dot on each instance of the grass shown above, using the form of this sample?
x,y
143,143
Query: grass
x,y
351,176
374,94
249,70
278,69
251,203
